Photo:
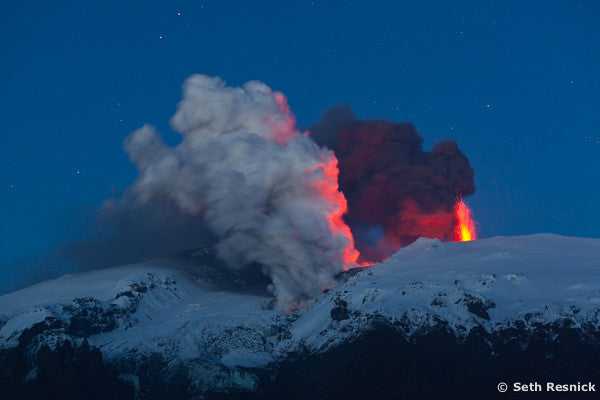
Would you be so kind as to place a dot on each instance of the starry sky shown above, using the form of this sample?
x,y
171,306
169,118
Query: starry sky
x,y
515,83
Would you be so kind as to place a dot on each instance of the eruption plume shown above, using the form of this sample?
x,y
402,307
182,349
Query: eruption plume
x,y
396,191
267,192
267,195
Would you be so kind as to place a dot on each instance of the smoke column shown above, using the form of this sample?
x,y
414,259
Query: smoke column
x,y
266,191
246,180
396,191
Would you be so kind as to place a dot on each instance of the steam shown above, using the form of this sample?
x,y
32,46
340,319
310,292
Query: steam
x,y
396,191
266,191
244,180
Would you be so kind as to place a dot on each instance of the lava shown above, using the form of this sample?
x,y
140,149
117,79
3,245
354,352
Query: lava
x,y
465,227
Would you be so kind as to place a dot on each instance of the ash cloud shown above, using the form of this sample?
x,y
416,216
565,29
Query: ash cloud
x,y
124,233
396,190
243,173
244,180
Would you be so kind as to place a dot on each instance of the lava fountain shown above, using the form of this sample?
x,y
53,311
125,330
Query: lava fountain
x,y
465,227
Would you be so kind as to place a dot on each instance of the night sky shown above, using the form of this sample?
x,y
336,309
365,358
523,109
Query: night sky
x,y
516,84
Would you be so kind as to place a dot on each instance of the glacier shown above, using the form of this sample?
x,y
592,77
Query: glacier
x,y
221,331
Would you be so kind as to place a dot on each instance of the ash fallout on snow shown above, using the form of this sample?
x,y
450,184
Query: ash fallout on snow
x,y
303,205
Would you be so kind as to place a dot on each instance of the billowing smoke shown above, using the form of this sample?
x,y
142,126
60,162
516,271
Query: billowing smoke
x,y
396,191
267,192
245,180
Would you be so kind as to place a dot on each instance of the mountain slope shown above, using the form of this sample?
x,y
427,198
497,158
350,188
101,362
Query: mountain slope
x,y
186,325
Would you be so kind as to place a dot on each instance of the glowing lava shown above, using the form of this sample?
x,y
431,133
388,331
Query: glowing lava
x,y
465,228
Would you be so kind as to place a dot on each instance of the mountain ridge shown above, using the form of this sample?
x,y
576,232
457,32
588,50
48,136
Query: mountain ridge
x,y
223,338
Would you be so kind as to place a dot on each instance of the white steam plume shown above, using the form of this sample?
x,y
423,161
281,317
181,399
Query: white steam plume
x,y
258,183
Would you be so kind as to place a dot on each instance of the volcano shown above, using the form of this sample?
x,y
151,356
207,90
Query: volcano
x,y
305,205
429,322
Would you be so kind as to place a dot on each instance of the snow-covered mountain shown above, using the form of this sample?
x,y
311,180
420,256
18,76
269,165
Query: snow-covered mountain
x,y
469,313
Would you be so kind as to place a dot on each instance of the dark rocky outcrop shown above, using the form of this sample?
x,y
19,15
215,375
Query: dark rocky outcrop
x,y
382,363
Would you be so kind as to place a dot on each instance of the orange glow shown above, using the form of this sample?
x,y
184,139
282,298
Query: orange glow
x,y
465,228
282,127
329,189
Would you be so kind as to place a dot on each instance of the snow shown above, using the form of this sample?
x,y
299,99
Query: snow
x,y
102,285
23,321
545,277
488,283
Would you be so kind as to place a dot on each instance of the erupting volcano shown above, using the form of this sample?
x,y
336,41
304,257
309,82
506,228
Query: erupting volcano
x,y
300,205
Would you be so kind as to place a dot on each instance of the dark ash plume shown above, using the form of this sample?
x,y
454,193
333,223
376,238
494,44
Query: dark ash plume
x,y
396,191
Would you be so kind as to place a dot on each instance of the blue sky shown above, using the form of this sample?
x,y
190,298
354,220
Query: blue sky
x,y
515,83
